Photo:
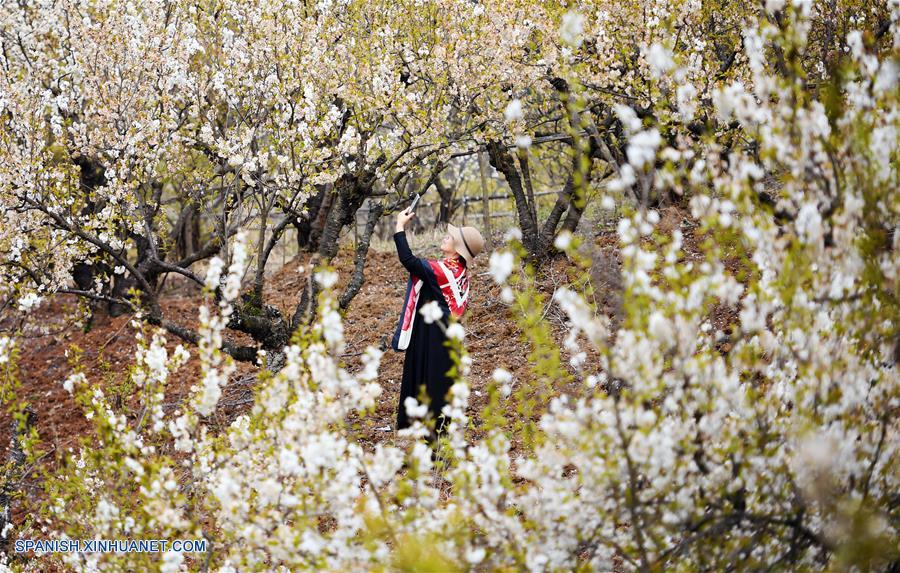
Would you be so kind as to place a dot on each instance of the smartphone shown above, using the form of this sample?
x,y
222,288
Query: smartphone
x,y
413,204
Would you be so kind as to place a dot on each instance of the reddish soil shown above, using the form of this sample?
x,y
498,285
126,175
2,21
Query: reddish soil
x,y
493,340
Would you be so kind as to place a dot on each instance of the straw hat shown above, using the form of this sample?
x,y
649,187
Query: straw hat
x,y
467,240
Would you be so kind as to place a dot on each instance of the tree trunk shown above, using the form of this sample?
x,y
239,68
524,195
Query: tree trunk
x,y
186,232
581,176
503,163
362,249
573,216
306,308
349,194
529,188
328,245
18,430
485,202
563,199
317,227
91,175
304,222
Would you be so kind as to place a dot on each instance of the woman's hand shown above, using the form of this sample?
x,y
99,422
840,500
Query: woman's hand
x,y
402,218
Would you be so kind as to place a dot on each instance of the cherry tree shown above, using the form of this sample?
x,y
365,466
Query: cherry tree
x,y
765,442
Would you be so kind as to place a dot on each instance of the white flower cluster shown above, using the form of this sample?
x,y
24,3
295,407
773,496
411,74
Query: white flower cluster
x,y
501,266
582,318
572,28
513,111
29,301
216,367
563,240
7,345
431,312
660,59
70,382
741,414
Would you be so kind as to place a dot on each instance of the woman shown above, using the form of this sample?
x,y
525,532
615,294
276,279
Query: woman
x,y
447,282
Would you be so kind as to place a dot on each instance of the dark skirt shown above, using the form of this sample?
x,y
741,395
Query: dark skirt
x,y
425,366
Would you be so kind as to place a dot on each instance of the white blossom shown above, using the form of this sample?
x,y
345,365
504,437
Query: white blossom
x,y
414,409
512,234
70,382
456,331
6,346
513,111
642,147
572,28
685,95
214,273
431,312
171,562
475,555
29,301
660,328
563,240
326,279
630,121
501,376
501,266
809,224
660,59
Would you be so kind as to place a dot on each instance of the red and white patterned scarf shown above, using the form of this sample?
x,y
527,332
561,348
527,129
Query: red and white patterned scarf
x,y
453,280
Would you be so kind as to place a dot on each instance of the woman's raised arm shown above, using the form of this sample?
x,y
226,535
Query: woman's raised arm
x,y
411,262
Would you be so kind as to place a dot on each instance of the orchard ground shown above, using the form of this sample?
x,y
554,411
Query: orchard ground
x,y
493,340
